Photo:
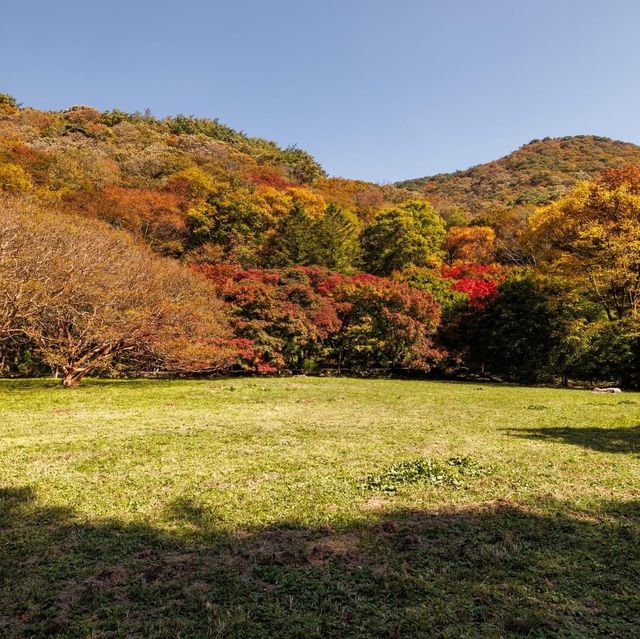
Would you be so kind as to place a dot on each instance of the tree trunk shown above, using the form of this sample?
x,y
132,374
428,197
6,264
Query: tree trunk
x,y
71,378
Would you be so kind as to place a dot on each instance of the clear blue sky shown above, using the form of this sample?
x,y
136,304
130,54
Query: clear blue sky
x,y
374,89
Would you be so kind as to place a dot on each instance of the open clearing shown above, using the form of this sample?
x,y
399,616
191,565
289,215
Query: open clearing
x,y
237,508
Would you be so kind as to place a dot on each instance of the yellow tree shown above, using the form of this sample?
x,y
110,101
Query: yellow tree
x,y
593,236
469,244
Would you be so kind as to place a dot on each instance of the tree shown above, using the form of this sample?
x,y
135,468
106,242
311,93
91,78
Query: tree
x,y
533,330
593,237
293,242
433,282
408,235
155,216
478,282
300,166
337,239
611,354
8,103
469,244
22,265
385,324
283,317
14,178
509,226
95,297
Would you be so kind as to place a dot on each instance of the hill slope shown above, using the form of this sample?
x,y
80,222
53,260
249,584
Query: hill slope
x,y
185,185
537,173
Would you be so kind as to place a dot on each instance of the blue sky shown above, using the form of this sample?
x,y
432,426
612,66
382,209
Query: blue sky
x,y
374,89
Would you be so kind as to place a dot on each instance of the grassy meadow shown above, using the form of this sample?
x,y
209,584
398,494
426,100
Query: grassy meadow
x,y
253,508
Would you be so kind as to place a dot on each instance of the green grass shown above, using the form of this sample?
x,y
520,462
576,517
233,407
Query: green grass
x,y
256,508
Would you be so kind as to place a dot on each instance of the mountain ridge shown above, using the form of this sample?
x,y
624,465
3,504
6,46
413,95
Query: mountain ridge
x,y
534,174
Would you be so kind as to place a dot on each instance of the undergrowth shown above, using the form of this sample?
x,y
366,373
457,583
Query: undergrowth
x,y
432,472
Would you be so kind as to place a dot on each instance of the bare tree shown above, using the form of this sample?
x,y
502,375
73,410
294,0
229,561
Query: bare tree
x,y
86,295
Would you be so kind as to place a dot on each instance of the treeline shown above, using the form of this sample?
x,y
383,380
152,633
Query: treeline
x,y
130,244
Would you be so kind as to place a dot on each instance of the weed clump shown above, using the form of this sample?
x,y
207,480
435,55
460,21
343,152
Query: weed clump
x,y
432,472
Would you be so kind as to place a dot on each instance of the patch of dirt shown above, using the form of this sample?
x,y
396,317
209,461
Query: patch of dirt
x,y
376,503
337,547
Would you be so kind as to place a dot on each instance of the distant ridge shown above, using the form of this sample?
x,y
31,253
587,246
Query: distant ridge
x,y
535,174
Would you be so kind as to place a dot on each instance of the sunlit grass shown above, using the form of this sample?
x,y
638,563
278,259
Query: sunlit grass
x,y
237,508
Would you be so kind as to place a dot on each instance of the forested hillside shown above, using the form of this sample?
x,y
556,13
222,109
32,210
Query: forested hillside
x,y
133,244
186,185
536,174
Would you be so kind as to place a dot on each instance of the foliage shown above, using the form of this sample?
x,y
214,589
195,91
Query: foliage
x,y
407,235
611,353
533,329
593,237
85,296
279,316
329,239
8,103
13,178
469,244
300,166
432,281
181,183
478,282
385,324
297,315
320,272
294,241
337,231
536,174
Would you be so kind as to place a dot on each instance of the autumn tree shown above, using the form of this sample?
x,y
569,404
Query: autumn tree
x,y
469,244
511,244
299,165
407,235
155,216
95,296
13,178
593,236
22,267
8,103
385,324
282,315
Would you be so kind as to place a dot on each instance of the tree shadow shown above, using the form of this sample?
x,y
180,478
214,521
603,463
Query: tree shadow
x,y
605,440
496,570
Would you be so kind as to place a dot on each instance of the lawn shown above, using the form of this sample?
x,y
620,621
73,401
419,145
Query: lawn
x,y
282,508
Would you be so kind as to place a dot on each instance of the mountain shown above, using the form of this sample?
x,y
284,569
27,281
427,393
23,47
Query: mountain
x,y
537,173
188,186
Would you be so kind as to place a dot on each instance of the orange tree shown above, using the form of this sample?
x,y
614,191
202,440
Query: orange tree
x,y
86,296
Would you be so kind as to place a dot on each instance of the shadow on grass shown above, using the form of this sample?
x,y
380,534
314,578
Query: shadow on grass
x,y
606,440
497,570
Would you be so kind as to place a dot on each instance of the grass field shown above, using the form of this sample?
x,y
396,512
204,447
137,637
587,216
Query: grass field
x,y
275,508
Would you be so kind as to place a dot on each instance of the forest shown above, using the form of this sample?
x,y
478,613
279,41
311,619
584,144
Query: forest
x,y
131,244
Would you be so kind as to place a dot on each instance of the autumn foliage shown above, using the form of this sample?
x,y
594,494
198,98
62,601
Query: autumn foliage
x,y
307,318
134,244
